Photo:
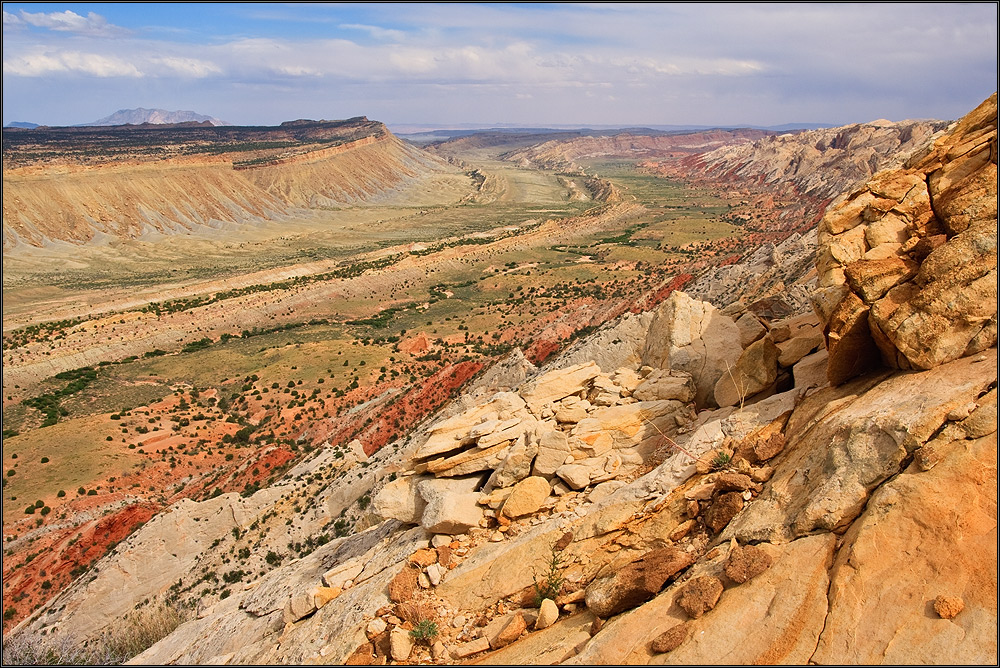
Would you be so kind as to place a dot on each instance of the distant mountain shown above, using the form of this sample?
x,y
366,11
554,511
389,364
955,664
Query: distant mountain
x,y
155,116
22,124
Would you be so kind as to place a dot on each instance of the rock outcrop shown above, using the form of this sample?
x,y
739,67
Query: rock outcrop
x,y
907,263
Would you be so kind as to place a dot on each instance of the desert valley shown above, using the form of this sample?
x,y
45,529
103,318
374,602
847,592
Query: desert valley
x,y
317,393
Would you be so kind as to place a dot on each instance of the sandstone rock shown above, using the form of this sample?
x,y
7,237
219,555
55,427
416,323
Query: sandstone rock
x,y
469,461
548,613
400,643
755,370
604,490
555,385
403,585
376,627
468,649
692,336
793,350
852,351
299,606
723,510
810,371
438,650
751,329
399,500
948,607
452,433
777,620
640,425
663,385
526,497
516,465
452,506
871,279
982,421
339,575
670,639
746,562
435,573
571,411
323,595
921,534
636,582
877,421
553,448
700,595
732,482
575,475
505,630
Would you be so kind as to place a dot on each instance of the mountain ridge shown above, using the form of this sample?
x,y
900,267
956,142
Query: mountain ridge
x,y
141,115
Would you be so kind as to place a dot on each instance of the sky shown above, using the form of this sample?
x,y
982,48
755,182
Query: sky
x,y
490,64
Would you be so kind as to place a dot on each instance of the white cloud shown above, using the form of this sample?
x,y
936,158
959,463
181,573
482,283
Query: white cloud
x,y
67,21
185,67
375,31
75,62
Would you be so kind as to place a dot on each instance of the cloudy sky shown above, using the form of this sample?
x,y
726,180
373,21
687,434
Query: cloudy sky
x,y
536,64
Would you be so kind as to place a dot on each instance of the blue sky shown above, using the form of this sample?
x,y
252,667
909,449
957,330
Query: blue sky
x,y
534,64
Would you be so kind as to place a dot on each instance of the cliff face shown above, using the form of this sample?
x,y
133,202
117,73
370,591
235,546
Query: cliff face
x,y
686,486
191,194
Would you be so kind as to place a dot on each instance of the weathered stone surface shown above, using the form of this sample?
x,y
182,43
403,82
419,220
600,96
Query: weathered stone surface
x,y
468,649
510,631
403,585
810,371
323,595
400,500
751,329
755,370
731,482
723,509
694,337
661,384
340,574
794,349
957,299
867,428
299,606
571,409
469,461
425,556
948,607
453,433
555,385
922,533
852,351
775,620
526,497
576,476
553,449
670,639
636,582
517,464
640,425
400,643
452,505
871,279
746,562
548,614
699,595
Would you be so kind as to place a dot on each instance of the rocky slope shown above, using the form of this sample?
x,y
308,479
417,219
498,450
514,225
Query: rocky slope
x,y
225,182
692,485
563,154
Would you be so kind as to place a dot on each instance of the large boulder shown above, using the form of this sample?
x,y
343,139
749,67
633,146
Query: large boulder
x,y
452,505
637,582
557,384
756,370
400,500
694,337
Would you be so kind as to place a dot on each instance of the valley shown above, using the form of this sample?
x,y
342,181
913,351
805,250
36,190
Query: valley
x,y
265,348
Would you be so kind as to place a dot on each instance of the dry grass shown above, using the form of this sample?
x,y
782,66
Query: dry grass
x,y
119,642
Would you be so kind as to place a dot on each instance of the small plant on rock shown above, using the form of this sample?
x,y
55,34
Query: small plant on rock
x,y
425,631
721,460
552,581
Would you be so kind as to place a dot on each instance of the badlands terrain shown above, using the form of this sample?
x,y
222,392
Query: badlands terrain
x,y
312,394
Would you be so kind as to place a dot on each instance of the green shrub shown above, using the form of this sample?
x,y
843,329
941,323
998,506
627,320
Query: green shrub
x,y
424,631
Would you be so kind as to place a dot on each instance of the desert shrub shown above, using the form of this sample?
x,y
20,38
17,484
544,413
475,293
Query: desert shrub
x,y
424,631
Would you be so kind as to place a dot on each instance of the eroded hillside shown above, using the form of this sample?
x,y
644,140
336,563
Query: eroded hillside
x,y
699,483
84,186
